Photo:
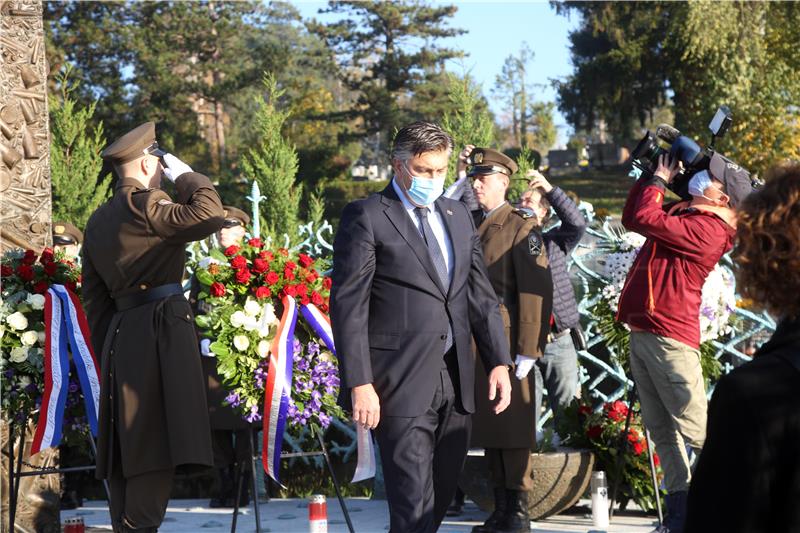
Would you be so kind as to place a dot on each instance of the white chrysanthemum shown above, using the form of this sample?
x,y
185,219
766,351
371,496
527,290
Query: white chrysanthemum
x,y
36,301
252,308
40,337
241,342
18,354
24,381
2,331
17,321
268,314
250,323
238,319
29,338
263,348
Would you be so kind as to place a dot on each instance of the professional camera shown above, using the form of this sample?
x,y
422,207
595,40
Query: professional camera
x,y
684,149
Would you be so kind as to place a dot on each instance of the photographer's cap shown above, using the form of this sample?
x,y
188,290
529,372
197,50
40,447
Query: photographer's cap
x,y
136,143
487,161
736,180
234,217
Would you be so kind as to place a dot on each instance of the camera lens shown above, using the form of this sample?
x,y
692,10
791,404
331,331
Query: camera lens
x,y
647,149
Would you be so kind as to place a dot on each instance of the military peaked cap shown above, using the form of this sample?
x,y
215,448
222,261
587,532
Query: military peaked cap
x,y
136,143
65,233
234,217
488,161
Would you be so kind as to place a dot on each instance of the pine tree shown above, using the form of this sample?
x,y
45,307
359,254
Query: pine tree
x,y
273,163
468,121
75,162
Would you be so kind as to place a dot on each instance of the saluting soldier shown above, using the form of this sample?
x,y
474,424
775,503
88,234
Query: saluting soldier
x,y
153,415
229,431
518,270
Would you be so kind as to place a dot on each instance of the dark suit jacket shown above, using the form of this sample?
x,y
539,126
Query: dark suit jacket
x,y
390,312
748,475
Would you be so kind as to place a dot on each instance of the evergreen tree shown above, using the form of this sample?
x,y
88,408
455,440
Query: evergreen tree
x,y
75,162
273,163
468,121
385,49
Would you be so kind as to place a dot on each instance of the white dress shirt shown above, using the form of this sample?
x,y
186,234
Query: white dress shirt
x,y
437,225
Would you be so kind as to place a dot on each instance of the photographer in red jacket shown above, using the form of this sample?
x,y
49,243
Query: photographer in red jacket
x,y
660,302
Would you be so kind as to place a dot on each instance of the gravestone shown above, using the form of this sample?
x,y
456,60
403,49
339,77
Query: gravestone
x,y
24,128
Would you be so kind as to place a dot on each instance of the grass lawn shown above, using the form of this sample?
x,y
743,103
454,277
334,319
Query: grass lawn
x,y
604,189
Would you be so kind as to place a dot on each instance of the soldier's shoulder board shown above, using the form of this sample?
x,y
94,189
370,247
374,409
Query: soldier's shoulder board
x,y
523,212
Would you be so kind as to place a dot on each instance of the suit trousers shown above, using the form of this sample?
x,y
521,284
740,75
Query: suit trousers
x,y
422,457
230,446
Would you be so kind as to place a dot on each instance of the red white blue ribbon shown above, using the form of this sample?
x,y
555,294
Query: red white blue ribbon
x,y
278,389
321,324
66,330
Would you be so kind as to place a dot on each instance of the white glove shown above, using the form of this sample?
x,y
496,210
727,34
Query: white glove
x,y
205,348
524,365
175,167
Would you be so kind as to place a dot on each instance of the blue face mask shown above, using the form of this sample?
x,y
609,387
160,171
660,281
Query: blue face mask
x,y
699,183
424,191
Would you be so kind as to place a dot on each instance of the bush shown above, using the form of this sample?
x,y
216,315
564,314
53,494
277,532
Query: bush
x,y
338,194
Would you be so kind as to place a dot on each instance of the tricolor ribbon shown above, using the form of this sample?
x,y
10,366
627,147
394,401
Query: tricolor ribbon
x,y
365,468
278,389
66,330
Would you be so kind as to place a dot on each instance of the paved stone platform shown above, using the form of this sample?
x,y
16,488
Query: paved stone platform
x,y
368,516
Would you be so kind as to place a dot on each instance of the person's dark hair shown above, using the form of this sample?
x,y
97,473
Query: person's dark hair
x,y
768,246
418,138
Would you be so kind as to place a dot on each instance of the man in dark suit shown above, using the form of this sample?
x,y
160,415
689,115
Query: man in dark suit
x,y
409,290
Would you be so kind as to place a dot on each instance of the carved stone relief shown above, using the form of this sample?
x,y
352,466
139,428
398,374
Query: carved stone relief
x,y
25,200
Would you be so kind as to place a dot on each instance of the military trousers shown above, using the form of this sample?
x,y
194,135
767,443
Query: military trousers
x,y
510,468
672,395
140,500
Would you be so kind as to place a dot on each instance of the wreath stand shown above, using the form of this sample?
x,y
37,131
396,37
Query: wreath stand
x,y
621,449
255,461
15,473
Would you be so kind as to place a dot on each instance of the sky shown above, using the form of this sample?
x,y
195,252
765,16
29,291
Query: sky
x,y
496,30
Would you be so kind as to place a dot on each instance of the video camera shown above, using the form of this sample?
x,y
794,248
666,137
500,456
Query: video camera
x,y
683,148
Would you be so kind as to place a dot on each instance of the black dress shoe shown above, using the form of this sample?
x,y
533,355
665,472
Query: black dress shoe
x,y
517,518
498,515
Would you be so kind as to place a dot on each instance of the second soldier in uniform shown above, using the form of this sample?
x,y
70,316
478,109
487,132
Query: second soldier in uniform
x,y
518,270
153,415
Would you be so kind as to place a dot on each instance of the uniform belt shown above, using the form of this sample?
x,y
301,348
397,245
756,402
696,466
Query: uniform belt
x,y
146,296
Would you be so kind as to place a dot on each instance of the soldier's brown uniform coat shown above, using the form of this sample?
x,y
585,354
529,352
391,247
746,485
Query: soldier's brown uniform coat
x,y
152,397
517,264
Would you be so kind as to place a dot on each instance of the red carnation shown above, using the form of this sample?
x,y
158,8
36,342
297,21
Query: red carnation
x,y
301,289
584,409
327,282
633,437
288,274
656,460
262,292
616,411
47,256
51,268
323,308
311,278
260,266
40,287
305,261
638,448
272,278
243,276
231,250
239,262
71,285
266,255
29,258
289,290
284,252
217,289
594,432
290,265
6,270
305,300
316,299
25,272
255,242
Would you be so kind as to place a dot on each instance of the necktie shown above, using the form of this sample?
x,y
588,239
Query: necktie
x,y
438,260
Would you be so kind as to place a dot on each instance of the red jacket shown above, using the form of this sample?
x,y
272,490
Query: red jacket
x,y
663,290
